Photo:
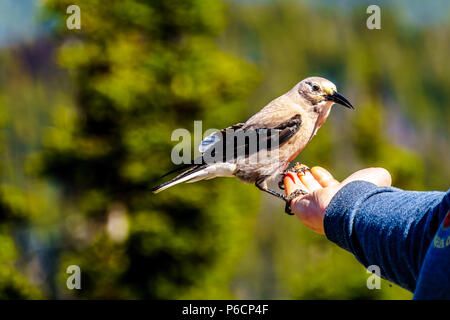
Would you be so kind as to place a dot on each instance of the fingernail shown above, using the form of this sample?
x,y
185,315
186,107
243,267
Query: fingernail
x,y
291,176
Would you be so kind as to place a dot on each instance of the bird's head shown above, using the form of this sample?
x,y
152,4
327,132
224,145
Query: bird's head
x,y
320,93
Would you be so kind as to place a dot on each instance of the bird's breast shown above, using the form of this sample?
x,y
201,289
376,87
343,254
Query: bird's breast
x,y
298,142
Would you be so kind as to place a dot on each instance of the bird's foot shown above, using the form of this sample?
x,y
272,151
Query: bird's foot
x,y
297,168
292,196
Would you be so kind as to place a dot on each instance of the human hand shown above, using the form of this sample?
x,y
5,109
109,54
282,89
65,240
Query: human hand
x,y
322,186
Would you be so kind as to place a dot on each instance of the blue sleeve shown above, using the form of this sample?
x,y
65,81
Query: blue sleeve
x,y
386,226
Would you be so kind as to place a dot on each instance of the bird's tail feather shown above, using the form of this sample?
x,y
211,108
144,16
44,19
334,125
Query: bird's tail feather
x,y
180,168
183,177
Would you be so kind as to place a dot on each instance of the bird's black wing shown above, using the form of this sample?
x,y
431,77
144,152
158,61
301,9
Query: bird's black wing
x,y
289,128
235,141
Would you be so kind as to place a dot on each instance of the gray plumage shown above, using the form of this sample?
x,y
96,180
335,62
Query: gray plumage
x,y
289,122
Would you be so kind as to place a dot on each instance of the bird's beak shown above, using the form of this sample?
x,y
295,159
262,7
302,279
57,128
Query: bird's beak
x,y
340,99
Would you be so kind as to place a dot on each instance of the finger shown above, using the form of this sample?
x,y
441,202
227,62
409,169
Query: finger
x,y
292,183
323,176
377,176
309,182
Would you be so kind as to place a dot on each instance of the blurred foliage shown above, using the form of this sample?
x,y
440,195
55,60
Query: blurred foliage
x,y
86,118
143,69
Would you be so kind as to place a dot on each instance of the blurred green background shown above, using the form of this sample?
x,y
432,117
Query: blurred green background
x,y
86,118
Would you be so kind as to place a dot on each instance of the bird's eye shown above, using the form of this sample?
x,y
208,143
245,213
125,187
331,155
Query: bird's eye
x,y
315,87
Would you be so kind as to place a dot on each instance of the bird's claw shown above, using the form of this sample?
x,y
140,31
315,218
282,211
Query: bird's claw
x,y
298,167
292,196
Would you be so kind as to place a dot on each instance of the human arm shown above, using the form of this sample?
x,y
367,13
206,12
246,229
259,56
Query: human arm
x,y
379,224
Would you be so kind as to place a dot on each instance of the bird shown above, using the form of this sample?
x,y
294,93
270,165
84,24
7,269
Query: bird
x,y
261,149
